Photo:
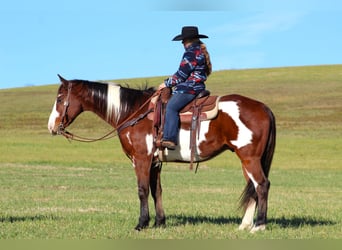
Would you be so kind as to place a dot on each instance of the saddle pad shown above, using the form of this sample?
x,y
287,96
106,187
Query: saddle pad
x,y
209,109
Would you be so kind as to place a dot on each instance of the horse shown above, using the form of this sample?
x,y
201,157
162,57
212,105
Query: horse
x,y
242,125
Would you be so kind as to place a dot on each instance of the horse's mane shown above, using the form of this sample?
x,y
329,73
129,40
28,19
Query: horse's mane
x,y
144,88
130,98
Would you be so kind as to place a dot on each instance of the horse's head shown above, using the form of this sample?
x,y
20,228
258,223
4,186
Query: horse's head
x,y
66,108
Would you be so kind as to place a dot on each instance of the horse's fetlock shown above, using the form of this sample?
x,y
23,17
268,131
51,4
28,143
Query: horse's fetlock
x,y
160,221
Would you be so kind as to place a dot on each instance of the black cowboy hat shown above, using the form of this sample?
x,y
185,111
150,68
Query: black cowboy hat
x,y
189,32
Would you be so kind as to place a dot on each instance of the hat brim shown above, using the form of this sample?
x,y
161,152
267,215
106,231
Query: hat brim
x,y
181,37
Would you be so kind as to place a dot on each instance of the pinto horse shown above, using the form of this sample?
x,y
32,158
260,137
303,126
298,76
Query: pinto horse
x,y
242,125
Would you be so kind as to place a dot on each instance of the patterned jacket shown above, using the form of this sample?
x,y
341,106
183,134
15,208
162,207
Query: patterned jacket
x,y
191,75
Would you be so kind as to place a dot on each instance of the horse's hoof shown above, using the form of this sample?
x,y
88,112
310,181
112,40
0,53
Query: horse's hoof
x,y
160,222
258,228
157,225
139,227
245,226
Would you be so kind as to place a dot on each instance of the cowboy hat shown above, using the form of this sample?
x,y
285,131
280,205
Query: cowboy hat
x,y
189,32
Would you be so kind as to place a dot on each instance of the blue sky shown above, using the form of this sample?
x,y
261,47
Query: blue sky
x,y
106,39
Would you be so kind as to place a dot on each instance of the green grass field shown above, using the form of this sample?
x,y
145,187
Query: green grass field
x,y
53,189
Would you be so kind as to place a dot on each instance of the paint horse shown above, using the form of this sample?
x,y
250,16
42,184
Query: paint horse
x,y
242,125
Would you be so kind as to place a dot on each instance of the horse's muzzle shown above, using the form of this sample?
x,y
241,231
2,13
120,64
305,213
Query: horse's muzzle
x,y
53,132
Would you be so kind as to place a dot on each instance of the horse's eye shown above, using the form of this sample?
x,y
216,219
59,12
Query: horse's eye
x,y
59,100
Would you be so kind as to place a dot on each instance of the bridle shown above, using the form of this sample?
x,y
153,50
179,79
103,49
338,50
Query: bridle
x,y
130,121
61,128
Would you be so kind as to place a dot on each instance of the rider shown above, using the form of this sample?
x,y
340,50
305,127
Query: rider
x,y
188,81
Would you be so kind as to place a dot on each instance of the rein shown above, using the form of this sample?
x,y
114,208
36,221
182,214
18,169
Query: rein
x,y
71,136
129,121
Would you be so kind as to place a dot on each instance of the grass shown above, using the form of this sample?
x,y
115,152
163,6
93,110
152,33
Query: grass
x,y
53,189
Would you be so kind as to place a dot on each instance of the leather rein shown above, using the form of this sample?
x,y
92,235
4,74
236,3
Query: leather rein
x,y
129,121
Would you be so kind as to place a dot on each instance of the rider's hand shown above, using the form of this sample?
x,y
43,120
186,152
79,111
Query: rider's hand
x,y
161,86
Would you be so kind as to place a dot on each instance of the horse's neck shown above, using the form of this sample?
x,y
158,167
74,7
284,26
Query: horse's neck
x,y
113,110
114,116
100,112
97,107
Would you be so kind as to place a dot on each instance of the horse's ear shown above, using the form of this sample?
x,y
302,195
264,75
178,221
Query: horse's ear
x,y
63,81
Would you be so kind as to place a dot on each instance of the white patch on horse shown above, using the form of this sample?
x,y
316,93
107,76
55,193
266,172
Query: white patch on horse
x,y
113,102
252,179
149,143
133,162
52,119
245,135
183,152
247,221
184,145
128,138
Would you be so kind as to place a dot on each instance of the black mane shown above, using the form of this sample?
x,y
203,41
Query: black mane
x,y
131,99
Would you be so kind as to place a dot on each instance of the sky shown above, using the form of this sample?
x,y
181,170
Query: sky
x,y
107,39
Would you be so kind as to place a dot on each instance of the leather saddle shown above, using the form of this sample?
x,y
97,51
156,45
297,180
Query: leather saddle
x,y
204,106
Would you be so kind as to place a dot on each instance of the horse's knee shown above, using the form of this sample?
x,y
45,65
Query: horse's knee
x,y
142,192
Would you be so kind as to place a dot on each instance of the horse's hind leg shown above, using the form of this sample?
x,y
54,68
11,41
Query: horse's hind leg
x,y
253,169
262,191
249,203
156,191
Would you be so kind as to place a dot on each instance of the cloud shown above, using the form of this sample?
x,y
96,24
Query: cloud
x,y
229,5
241,60
243,41
193,5
252,29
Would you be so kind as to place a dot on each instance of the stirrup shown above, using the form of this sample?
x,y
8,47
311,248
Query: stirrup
x,y
169,145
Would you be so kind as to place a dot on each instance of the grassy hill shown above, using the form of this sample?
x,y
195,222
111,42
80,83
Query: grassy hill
x,y
40,175
304,96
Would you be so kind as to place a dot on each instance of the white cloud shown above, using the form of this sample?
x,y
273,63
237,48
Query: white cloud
x,y
241,42
252,29
241,60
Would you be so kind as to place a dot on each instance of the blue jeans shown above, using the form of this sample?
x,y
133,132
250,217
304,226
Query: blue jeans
x,y
172,124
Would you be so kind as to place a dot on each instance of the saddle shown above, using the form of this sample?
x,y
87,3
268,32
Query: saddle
x,y
203,107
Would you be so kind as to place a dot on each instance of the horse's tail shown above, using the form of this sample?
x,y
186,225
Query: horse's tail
x,y
267,156
266,161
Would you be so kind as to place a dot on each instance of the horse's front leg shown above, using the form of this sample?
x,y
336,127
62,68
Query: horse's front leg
x,y
156,191
142,170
